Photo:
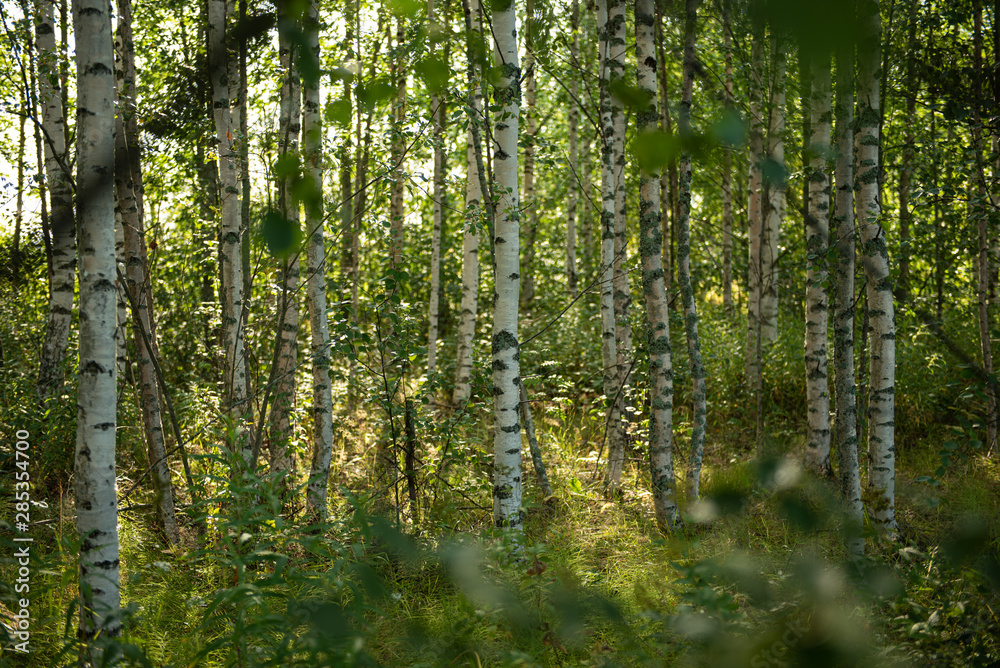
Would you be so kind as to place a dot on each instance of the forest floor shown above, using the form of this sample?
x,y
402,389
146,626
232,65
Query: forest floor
x,y
757,576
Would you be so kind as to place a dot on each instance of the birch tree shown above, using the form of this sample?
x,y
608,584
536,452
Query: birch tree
x,y
62,269
609,343
755,232
774,203
506,364
530,139
817,240
312,151
684,259
128,185
875,257
661,385
615,59
230,231
470,237
727,167
94,467
438,121
843,301
289,125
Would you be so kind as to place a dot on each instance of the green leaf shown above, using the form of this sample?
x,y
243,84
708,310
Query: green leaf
x,y
374,94
405,9
434,72
338,112
286,166
631,96
281,235
730,130
654,150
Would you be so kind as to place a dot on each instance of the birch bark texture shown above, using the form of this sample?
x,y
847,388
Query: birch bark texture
x,y
230,232
843,305
661,374
817,457
62,271
470,236
94,467
438,122
684,260
609,342
289,126
312,150
774,204
128,184
755,216
875,257
505,346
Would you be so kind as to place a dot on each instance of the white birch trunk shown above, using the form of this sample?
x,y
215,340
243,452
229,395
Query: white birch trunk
x,y
817,455
121,310
288,301
661,381
684,261
312,149
230,231
775,204
727,170
875,257
506,355
62,274
128,185
94,468
438,121
470,241
617,47
843,319
755,216
609,352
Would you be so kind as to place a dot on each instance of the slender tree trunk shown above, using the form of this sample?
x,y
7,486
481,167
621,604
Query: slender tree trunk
x,y
15,255
755,232
288,206
128,184
906,169
312,149
94,469
530,84
843,309
617,48
979,207
470,237
62,270
573,189
684,259
817,241
668,178
438,120
506,364
882,372
661,385
609,353
727,170
775,202
121,310
396,212
230,233
536,452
